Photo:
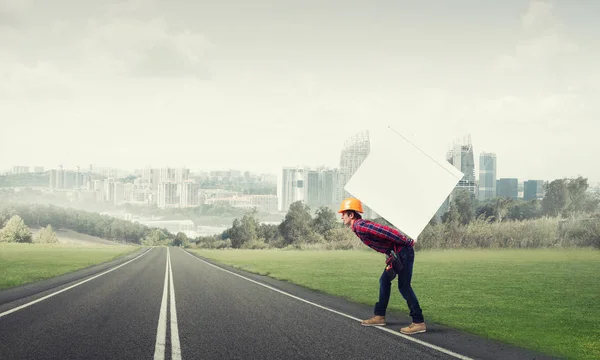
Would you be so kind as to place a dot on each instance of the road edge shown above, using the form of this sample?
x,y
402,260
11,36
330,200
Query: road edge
x,y
22,291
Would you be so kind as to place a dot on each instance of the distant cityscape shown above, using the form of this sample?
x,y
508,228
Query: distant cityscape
x,y
315,186
324,187
159,187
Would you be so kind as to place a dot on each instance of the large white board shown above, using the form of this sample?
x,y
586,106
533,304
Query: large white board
x,y
401,182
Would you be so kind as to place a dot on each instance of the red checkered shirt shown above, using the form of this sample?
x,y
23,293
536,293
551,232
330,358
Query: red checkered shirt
x,y
379,237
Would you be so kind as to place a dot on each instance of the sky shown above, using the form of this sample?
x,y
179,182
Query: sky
x,y
264,84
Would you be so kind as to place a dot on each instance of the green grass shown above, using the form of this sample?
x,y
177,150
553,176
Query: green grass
x,y
546,300
25,263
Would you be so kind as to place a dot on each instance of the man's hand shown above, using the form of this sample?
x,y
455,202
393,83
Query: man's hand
x,y
388,262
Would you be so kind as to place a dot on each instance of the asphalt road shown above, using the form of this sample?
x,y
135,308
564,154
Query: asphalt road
x,y
169,304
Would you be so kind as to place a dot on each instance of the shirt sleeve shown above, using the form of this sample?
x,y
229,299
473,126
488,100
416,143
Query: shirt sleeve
x,y
384,232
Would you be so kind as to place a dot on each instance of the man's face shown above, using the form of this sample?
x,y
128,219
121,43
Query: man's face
x,y
347,218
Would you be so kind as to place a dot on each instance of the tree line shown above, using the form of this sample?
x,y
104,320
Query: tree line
x,y
94,224
560,218
563,198
298,229
568,214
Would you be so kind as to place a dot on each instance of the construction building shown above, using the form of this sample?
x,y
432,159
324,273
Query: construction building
x,y
461,157
355,151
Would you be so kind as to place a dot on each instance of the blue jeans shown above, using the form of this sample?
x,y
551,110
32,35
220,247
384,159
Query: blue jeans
x,y
407,254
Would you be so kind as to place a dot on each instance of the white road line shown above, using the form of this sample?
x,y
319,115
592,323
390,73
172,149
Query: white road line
x,y
160,346
70,287
161,331
421,342
175,346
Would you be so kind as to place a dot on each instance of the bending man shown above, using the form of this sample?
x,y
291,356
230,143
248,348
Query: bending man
x,y
385,239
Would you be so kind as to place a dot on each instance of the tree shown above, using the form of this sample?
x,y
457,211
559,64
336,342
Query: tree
x,y
525,210
460,209
464,206
235,233
244,230
181,239
155,237
433,221
270,234
343,237
324,220
501,207
577,195
6,212
38,215
452,215
556,198
15,230
486,211
592,203
296,227
249,227
46,236
565,197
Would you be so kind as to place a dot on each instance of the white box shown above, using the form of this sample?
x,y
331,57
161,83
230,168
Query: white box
x,y
401,182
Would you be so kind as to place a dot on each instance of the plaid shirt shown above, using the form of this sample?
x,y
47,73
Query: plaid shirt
x,y
379,237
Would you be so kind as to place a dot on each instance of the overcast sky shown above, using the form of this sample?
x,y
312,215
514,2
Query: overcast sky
x,y
257,85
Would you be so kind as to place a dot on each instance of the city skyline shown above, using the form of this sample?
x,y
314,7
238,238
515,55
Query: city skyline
x,y
277,169
155,83
465,140
172,187
521,179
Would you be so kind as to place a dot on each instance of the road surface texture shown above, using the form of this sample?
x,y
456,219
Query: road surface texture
x,y
165,303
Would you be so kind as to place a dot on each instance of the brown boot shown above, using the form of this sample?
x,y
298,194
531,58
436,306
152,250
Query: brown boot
x,y
414,328
374,321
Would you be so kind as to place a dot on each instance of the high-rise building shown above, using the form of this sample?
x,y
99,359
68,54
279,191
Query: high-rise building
x,y
189,193
328,188
533,189
78,179
312,188
60,178
299,185
20,169
167,194
461,156
487,176
292,186
355,151
315,187
128,192
118,193
69,180
109,190
53,177
507,188
152,178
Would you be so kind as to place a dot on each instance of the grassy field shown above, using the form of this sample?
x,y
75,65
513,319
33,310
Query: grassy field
x,y
24,263
542,299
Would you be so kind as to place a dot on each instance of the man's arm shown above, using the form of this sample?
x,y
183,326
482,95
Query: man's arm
x,y
385,232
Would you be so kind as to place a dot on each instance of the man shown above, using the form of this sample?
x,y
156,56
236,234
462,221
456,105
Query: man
x,y
384,239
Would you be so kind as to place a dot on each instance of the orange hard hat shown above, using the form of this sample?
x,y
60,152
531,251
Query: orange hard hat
x,y
351,204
